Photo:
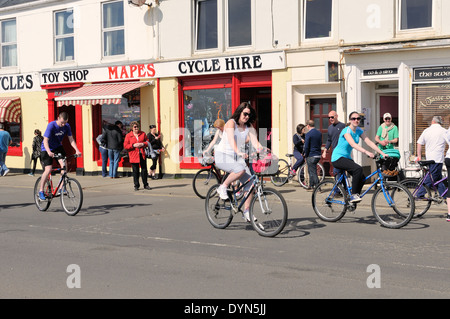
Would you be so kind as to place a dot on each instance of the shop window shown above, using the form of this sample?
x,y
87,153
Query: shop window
x,y
9,43
416,14
126,112
201,108
64,36
239,23
237,19
206,24
429,100
113,28
318,18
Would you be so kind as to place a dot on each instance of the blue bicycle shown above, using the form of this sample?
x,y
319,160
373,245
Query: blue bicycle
x,y
392,203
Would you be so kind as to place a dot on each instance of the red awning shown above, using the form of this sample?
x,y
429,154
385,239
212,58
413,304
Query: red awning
x,y
10,109
92,94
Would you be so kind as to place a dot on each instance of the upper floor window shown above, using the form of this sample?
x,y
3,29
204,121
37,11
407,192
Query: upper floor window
x,y
416,14
239,23
9,43
206,24
318,18
237,20
113,30
64,36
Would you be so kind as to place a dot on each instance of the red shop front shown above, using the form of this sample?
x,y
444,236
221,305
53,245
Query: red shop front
x,y
204,99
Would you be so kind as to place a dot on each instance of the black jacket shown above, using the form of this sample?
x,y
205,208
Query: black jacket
x,y
113,137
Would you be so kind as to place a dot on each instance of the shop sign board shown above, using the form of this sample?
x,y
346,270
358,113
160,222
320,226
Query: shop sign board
x,y
384,71
19,82
201,66
428,74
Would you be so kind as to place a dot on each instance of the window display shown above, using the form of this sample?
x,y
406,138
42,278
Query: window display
x,y
201,109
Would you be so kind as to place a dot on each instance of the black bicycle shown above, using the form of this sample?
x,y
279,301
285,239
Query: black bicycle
x,y
68,189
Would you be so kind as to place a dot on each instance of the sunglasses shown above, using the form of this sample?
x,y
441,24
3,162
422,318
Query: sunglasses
x,y
331,117
387,118
246,114
355,119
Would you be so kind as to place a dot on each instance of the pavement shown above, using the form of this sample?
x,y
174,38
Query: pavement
x,y
292,191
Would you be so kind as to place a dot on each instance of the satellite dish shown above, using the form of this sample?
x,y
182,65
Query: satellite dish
x,y
138,3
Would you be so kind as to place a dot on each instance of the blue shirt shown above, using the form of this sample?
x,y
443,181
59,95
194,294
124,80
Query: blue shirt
x,y
313,143
55,135
343,148
5,139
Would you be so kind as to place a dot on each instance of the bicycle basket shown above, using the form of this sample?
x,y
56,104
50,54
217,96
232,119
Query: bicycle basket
x,y
266,165
207,160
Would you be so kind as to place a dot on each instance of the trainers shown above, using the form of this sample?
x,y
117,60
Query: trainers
x,y
448,217
246,216
6,172
355,199
42,196
222,191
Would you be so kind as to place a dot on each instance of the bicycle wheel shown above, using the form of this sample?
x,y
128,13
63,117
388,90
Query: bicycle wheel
x,y
393,206
303,177
42,205
329,202
203,181
71,196
268,212
422,204
282,175
218,211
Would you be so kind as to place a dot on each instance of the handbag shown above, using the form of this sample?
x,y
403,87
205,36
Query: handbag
x,y
149,152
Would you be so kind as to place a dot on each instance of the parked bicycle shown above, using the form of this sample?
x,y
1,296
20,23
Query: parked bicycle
x,y
268,210
286,173
431,195
392,203
68,189
206,177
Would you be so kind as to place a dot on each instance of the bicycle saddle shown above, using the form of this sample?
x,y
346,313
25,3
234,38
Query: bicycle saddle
x,y
289,155
424,163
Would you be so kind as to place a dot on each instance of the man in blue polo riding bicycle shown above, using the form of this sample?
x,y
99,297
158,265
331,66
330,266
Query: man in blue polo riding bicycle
x,y
52,144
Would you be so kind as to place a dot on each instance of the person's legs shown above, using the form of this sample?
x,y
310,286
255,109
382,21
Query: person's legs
x,y
299,160
104,154
144,173
116,160
355,170
135,168
312,170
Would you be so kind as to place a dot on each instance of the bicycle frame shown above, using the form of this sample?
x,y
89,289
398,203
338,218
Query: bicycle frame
x,y
433,184
347,185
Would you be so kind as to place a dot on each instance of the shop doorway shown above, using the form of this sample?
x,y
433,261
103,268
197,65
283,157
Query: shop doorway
x,y
388,104
261,99
70,110
319,109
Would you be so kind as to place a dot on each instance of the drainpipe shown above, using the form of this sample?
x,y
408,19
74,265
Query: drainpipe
x,y
158,117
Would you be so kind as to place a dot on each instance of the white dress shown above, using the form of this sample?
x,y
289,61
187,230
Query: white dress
x,y
225,157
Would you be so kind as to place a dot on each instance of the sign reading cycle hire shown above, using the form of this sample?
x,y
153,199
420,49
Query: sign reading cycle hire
x,y
231,64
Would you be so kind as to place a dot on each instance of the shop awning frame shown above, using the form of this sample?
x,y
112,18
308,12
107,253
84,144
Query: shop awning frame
x,y
10,109
105,93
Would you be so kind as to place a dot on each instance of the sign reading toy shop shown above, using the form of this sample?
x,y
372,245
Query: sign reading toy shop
x,y
230,64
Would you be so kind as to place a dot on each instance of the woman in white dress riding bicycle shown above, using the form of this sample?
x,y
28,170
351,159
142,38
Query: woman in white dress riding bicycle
x,y
230,153
341,156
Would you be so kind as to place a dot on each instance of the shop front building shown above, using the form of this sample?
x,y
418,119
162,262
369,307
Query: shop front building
x,y
409,83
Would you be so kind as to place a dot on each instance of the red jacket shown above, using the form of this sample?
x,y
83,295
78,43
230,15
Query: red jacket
x,y
133,152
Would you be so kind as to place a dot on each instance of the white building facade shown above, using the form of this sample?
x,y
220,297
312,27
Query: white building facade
x,y
182,64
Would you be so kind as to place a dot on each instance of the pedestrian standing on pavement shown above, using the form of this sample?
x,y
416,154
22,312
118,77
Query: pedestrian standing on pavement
x,y
135,143
434,140
313,144
5,142
36,149
387,133
154,137
299,145
103,152
334,130
114,143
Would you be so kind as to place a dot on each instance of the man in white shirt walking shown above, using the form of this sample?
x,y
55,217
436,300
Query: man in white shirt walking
x,y
434,140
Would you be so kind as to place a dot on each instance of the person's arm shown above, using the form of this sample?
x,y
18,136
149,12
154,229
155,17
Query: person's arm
x,y
254,139
372,145
74,145
213,142
307,145
47,147
419,152
355,146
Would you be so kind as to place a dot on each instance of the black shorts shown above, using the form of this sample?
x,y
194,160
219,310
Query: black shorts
x,y
47,160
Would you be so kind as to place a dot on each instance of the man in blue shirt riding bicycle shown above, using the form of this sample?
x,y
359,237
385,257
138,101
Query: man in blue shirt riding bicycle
x,y
52,144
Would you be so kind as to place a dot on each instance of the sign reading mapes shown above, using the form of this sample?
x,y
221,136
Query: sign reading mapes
x,y
218,65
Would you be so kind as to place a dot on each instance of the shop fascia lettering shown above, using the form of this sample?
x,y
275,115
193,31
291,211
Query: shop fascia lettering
x,y
243,63
18,82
